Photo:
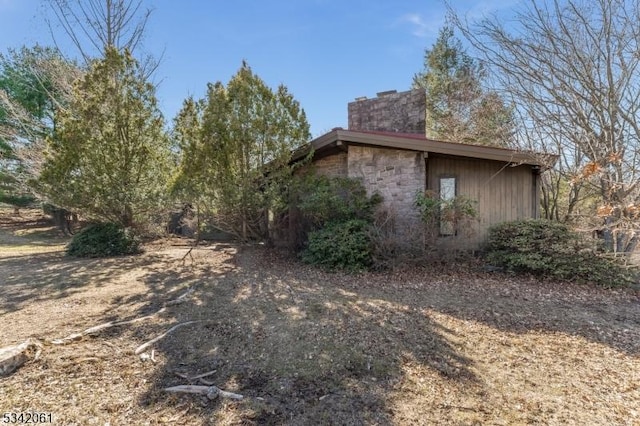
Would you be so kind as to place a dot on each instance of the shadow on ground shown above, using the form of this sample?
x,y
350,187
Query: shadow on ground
x,y
310,345
27,278
305,346
329,348
519,305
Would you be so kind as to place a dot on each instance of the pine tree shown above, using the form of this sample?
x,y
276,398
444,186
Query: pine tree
x,y
238,157
109,157
458,108
11,191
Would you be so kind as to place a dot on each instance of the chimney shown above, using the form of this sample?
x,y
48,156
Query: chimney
x,y
388,92
390,111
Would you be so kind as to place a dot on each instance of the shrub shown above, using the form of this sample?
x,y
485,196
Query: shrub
x,y
324,199
340,245
334,225
102,240
396,242
436,212
552,250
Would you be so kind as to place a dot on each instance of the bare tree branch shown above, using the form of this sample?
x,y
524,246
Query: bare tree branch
x,y
571,67
94,25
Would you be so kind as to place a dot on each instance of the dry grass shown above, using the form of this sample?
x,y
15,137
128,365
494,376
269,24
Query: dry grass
x,y
308,347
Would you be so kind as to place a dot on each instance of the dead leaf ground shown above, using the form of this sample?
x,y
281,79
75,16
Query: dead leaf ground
x,y
421,346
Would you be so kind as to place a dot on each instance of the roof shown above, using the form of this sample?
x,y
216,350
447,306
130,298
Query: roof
x,y
419,142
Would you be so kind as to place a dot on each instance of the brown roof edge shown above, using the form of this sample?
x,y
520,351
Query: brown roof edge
x,y
316,144
418,142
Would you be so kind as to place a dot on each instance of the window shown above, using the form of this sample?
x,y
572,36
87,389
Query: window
x,y
447,196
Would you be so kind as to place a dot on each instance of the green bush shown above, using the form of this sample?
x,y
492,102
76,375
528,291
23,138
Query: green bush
x,y
324,199
102,240
333,229
340,245
552,250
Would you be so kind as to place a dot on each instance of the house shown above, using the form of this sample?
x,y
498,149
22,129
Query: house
x,y
386,148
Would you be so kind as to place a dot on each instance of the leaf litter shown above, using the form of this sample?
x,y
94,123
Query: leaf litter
x,y
432,345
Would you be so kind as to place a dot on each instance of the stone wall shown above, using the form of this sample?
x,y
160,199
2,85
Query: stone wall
x,y
332,166
402,112
397,175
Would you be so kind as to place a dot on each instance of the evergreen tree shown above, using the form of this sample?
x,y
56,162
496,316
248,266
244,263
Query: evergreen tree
x,y
109,157
236,145
458,108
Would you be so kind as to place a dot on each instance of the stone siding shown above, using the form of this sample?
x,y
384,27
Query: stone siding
x,y
396,175
332,166
402,112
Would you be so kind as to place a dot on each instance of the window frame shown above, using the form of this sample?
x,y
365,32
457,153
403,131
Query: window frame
x,y
446,228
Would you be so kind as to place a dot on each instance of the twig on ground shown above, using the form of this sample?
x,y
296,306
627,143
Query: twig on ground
x,y
144,346
92,330
181,298
13,357
200,376
188,253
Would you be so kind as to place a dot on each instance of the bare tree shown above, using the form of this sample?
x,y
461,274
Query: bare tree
x,y
571,67
34,84
95,25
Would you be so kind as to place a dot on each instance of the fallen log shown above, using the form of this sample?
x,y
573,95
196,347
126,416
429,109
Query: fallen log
x,y
13,357
211,392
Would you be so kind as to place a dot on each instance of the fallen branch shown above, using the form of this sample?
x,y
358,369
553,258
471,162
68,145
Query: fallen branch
x,y
200,376
188,253
13,357
211,392
77,336
97,328
197,377
144,346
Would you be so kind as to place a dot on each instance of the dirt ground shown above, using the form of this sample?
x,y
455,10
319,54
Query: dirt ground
x,y
305,347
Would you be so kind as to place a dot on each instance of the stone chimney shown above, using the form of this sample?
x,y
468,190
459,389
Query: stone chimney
x,y
390,111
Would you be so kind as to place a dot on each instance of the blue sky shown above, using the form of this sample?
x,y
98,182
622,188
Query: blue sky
x,y
327,52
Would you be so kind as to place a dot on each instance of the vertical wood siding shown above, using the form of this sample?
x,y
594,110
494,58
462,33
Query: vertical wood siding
x,y
502,193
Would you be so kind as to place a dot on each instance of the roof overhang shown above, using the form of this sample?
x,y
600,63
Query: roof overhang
x,y
417,142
